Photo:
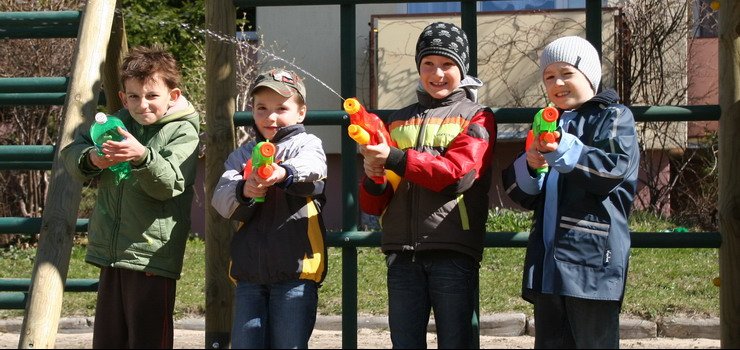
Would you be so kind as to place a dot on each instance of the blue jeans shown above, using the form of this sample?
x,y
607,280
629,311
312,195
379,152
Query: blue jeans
x,y
443,281
274,316
574,323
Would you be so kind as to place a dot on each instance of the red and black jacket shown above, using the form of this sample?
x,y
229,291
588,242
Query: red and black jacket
x,y
444,154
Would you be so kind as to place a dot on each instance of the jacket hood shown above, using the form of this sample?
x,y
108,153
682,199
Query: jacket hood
x,y
606,96
471,85
182,110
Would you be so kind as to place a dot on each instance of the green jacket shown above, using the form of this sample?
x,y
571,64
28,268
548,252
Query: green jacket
x,y
143,222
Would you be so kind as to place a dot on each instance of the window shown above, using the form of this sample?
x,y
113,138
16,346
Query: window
x,y
705,19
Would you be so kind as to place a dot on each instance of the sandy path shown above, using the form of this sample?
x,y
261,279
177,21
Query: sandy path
x,y
370,339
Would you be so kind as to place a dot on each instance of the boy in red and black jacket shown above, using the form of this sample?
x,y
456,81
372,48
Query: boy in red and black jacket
x,y
434,221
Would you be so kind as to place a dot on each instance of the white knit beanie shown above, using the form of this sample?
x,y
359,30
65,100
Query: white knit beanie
x,y
576,51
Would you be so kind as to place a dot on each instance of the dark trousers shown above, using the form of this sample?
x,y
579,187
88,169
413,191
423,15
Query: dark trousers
x,y
134,310
443,281
574,323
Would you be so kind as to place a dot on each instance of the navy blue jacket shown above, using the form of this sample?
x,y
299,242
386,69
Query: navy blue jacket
x,y
283,238
586,252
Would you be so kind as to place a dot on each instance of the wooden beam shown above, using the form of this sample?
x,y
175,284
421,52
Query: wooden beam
x,y
117,50
44,306
220,141
729,168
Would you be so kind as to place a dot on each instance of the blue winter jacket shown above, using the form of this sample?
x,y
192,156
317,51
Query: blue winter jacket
x,y
579,244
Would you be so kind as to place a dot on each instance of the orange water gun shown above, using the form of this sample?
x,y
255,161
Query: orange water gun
x,y
263,155
364,127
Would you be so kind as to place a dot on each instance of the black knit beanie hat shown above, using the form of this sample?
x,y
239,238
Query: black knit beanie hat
x,y
444,39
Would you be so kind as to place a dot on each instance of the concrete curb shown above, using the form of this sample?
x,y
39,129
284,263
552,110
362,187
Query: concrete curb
x,y
499,325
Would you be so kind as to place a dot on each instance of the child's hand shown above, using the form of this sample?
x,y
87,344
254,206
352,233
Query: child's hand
x,y
375,157
535,160
128,149
545,147
278,175
252,188
100,161
372,170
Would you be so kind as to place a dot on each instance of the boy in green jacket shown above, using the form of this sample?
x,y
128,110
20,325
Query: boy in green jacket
x,y
139,225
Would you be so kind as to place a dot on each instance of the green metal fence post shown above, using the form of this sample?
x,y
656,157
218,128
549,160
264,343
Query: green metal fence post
x,y
593,24
469,21
349,183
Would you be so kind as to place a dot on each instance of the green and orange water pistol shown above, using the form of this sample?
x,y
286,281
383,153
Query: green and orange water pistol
x,y
263,155
543,128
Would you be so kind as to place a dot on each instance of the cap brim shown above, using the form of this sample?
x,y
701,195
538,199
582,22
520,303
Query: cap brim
x,y
281,88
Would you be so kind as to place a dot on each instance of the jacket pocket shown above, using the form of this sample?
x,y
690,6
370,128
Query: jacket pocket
x,y
582,240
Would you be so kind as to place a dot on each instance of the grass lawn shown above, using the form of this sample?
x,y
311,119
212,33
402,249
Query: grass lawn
x,y
660,282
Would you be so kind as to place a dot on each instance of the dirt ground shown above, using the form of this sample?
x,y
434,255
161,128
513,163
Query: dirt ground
x,y
370,339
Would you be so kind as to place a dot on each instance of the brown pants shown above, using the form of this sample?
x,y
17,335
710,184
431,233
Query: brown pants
x,y
134,310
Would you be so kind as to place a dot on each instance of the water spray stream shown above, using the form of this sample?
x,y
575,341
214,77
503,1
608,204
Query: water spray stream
x,y
234,40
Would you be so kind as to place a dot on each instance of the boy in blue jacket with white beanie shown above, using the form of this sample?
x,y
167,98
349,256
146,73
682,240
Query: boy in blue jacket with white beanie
x,y
576,263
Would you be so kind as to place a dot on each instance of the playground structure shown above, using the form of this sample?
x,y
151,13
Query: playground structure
x,y
43,299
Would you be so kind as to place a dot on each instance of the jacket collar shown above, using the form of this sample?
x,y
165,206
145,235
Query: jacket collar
x,y
427,101
604,97
283,133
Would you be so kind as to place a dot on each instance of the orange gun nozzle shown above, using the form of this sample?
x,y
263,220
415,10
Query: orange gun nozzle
x,y
265,171
547,137
358,134
267,150
351,106
550,114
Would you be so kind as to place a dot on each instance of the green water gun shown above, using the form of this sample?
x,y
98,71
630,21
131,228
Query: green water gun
x,y
543,127
263,155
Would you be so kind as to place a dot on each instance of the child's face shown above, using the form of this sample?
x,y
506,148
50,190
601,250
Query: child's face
x,y
439,75
566,86
149,100
273,111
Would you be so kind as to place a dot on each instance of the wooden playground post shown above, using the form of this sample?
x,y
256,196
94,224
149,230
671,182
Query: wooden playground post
x,y
729,168
220,141
44,305
117,49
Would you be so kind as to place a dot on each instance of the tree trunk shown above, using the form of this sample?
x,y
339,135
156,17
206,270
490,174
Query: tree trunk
x,y
220,108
